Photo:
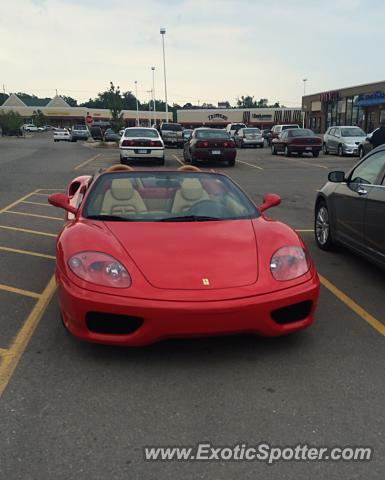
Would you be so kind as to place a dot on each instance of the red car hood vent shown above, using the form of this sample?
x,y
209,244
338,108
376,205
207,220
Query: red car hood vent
x,y
193,255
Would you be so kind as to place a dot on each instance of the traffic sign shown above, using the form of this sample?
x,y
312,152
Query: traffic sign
x,y
89,119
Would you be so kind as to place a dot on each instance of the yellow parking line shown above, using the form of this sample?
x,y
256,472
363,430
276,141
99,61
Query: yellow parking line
x,y
250,165
87,161
304,231
26,230
20,342
373,322
34,215
177,159
27,252
16,202
19,291
50,190
37,203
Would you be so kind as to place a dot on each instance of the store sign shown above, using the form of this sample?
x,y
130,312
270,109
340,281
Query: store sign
x,y
329,96
217,115
368,99
261,116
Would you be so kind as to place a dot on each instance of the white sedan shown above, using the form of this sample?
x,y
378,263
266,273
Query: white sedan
x,y
141,143
61,134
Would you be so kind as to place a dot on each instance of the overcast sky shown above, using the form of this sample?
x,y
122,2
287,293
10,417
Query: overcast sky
x,y
215,49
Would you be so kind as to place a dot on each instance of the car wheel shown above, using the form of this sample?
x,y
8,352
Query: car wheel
x,y
322,228
231,163
315,154
273,150
325,149
287,151
361,152
161,161
340,151
193,161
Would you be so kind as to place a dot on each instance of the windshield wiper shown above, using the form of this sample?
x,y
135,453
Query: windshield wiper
x,y
190,218
109,218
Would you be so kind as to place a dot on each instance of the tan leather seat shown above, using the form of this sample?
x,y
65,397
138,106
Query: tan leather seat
x,y
191,192
122,198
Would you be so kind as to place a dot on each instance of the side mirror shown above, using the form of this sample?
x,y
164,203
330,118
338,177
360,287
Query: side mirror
x,y
269,200
62,201
336,177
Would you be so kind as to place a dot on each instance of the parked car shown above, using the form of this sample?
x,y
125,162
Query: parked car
x,y
297,140
207,144
232,128
96,133
30,127
139,143
111,136
172,134
249,137
266,134
187,134
350,208
343,140
80,132
278,129
149,255
366,145
61,134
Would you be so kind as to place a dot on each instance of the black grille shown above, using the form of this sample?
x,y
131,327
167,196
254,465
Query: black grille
x,y
109,323
292,313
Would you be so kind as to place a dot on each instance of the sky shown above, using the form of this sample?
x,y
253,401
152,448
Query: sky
x,y
216,50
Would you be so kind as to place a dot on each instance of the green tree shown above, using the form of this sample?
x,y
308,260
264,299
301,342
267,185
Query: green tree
x,y
38,118
3,98
11,123
71,101
246,102
114,101
262,103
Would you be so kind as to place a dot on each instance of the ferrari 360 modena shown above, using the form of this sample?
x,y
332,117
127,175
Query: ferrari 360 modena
x,y
149,255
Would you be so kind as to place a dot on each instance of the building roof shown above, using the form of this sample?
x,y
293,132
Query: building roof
x,y
13,101
58,102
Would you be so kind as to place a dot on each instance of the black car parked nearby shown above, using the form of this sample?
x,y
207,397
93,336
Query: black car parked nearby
x,y
350,208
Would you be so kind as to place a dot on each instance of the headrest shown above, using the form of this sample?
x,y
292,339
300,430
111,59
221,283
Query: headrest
x,y
191,189
122,189
118,166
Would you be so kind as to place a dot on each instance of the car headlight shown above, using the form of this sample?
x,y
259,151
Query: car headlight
x,y
99,268
289,262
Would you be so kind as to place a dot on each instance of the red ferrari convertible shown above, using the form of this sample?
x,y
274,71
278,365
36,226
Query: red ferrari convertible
x,y
148,255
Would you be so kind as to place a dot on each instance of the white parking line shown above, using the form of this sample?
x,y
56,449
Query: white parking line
x,y
177,159
249,164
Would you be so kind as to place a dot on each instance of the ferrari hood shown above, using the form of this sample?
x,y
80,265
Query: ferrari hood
x,y
191,255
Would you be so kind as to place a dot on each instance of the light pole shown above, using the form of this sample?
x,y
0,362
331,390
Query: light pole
x,y
137,104
149,106
163,33
304,94
153,93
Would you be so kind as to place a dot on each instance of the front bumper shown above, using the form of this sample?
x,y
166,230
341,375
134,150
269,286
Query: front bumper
x,y
350,150
166,319
133,153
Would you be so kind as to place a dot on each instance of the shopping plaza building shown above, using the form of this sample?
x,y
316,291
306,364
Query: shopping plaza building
x,y
60,114
363,105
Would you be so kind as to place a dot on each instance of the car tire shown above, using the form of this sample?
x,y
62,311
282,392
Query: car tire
x,y
325,149
322,228
361,153
287,152
315,154
273,150
193,161
161,161
231,163
340,151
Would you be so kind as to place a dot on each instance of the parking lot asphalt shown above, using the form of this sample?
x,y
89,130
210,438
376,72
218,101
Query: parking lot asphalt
x,y
70,410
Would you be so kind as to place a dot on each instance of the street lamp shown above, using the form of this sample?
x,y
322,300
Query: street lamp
x,y
163,33
137,104
149,106
304,94
153,92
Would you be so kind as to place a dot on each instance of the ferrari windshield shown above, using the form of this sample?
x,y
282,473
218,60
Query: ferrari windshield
x,y
167,197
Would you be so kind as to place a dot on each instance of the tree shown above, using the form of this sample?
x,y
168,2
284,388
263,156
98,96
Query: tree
x,y
262,103
3,98
38,118
246,102
114,102
11,123
71,101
